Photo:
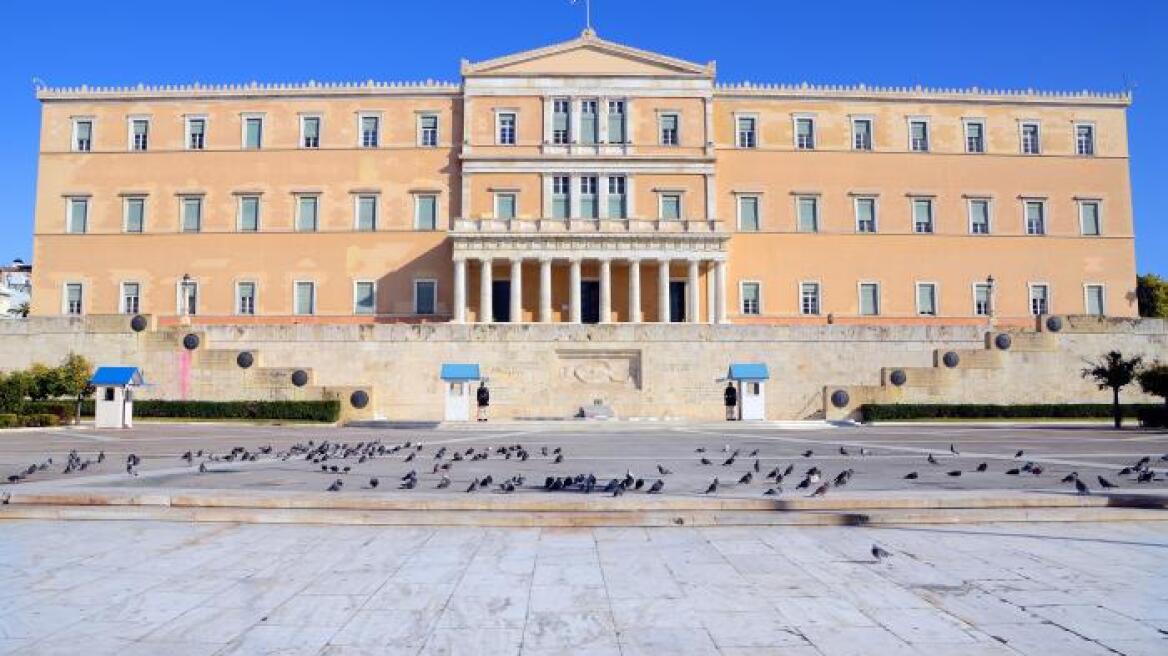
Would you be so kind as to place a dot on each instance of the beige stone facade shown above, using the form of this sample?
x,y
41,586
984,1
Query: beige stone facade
x,y
593,182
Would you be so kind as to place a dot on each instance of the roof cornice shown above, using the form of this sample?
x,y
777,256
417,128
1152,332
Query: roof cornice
x,y
248,90
805,90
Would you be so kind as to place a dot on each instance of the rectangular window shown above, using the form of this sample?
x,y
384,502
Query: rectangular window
x,y
981,299
1094,300
869,299
805,133
979,216
588,190
865,215
922,215
139,134
249,213
507,129
196,133
751,298
505,206
670,207
1085,139
1089,222
918,136
669,135
616,197
809,298
561,192
1030,139
425,212
616,121
192,214
307,208
862,134
188,297
253,132
974,137
83,135
588,122
135,219
310,131
807,208
747,135
131,298
73,298
366,219
428,128
561,116
78,221
425,296
927,299
245,298
1039,300
748,214
364,297
1035,217
370,131
305,301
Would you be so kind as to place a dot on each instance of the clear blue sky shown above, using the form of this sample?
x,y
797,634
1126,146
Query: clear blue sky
x,y
1065,44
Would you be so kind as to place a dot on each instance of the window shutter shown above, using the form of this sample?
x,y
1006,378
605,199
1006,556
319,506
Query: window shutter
x,y
868,299
312,128
307,220
134,214
748,212
427,212
808,221
192,214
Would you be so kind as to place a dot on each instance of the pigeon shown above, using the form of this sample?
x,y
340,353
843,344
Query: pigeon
x,y
788,470
444,483
639,484
879,553
713,486
373,483
1070,478
408,484
474,485
955,472
663,471
843,451
757,466
706,461
912,476
5,498
1081,487
729,461
336,486
982,467
803,484
773,492
100,457
1106,484
655,488
202,468
746,478
931,459
559,458
1018,454
821,490
808,453
953,450
1013,472
1144,477
755,453
700,449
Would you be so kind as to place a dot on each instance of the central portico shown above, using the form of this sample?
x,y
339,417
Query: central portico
x,y
669,260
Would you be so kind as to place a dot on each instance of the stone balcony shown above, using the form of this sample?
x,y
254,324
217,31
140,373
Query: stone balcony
x,y
638,226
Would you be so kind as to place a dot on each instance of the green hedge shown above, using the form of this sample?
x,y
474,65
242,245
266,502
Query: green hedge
x,y
901,411
35,420
326,411
9,421
1154,416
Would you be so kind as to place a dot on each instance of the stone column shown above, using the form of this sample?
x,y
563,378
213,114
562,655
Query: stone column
x,y
711,294
545,290
606,290
460,290
635,291
663,291
486,311
574,314
693,298
720,288
516,290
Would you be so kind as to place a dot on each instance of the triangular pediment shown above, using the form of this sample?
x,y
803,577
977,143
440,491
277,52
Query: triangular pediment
x,y
584,56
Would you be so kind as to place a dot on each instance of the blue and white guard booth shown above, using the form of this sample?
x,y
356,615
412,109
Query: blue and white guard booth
x,y
750,378
114,396
459,380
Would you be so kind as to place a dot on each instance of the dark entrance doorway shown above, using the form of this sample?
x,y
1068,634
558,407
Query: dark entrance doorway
x,y
590,301
677,301
501,301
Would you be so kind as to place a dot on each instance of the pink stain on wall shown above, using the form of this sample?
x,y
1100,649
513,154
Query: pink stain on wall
x,y
184,374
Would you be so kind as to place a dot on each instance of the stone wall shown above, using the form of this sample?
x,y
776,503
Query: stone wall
x,y
646,370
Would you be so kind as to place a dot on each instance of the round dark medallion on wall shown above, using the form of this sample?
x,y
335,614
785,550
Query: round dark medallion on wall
x,y
1003,341
951,359
1054,324
138,323
300,378
840,398
191,341
898,377
359,399
245,359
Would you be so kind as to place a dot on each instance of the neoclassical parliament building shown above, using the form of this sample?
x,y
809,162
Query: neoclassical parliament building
x,y
583,182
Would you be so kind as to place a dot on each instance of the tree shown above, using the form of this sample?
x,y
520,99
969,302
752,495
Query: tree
x,y
1152,295
1114,372
14,388
73,379
44,383
1154,380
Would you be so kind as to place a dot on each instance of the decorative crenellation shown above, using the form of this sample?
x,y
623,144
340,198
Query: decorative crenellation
x,y
310,88
918,92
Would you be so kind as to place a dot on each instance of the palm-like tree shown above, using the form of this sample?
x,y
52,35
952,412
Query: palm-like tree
x,y
1114,372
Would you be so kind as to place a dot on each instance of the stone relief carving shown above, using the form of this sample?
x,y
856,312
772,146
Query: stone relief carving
x,y
600,368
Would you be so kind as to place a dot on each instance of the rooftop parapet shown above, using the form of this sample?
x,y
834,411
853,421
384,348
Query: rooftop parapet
x,y
919,92
248,89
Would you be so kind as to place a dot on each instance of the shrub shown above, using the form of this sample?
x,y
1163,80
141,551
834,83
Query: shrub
x,y
62,410
40,420
9,421
326,411
898,411
1154,417
1154,380
14,387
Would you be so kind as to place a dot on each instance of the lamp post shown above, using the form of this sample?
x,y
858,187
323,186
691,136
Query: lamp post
x,y
990,297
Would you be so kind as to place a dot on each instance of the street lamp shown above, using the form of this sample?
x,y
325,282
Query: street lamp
x,y
990,295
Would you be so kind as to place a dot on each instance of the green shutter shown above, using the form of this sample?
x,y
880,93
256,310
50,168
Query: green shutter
x,y
253,128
